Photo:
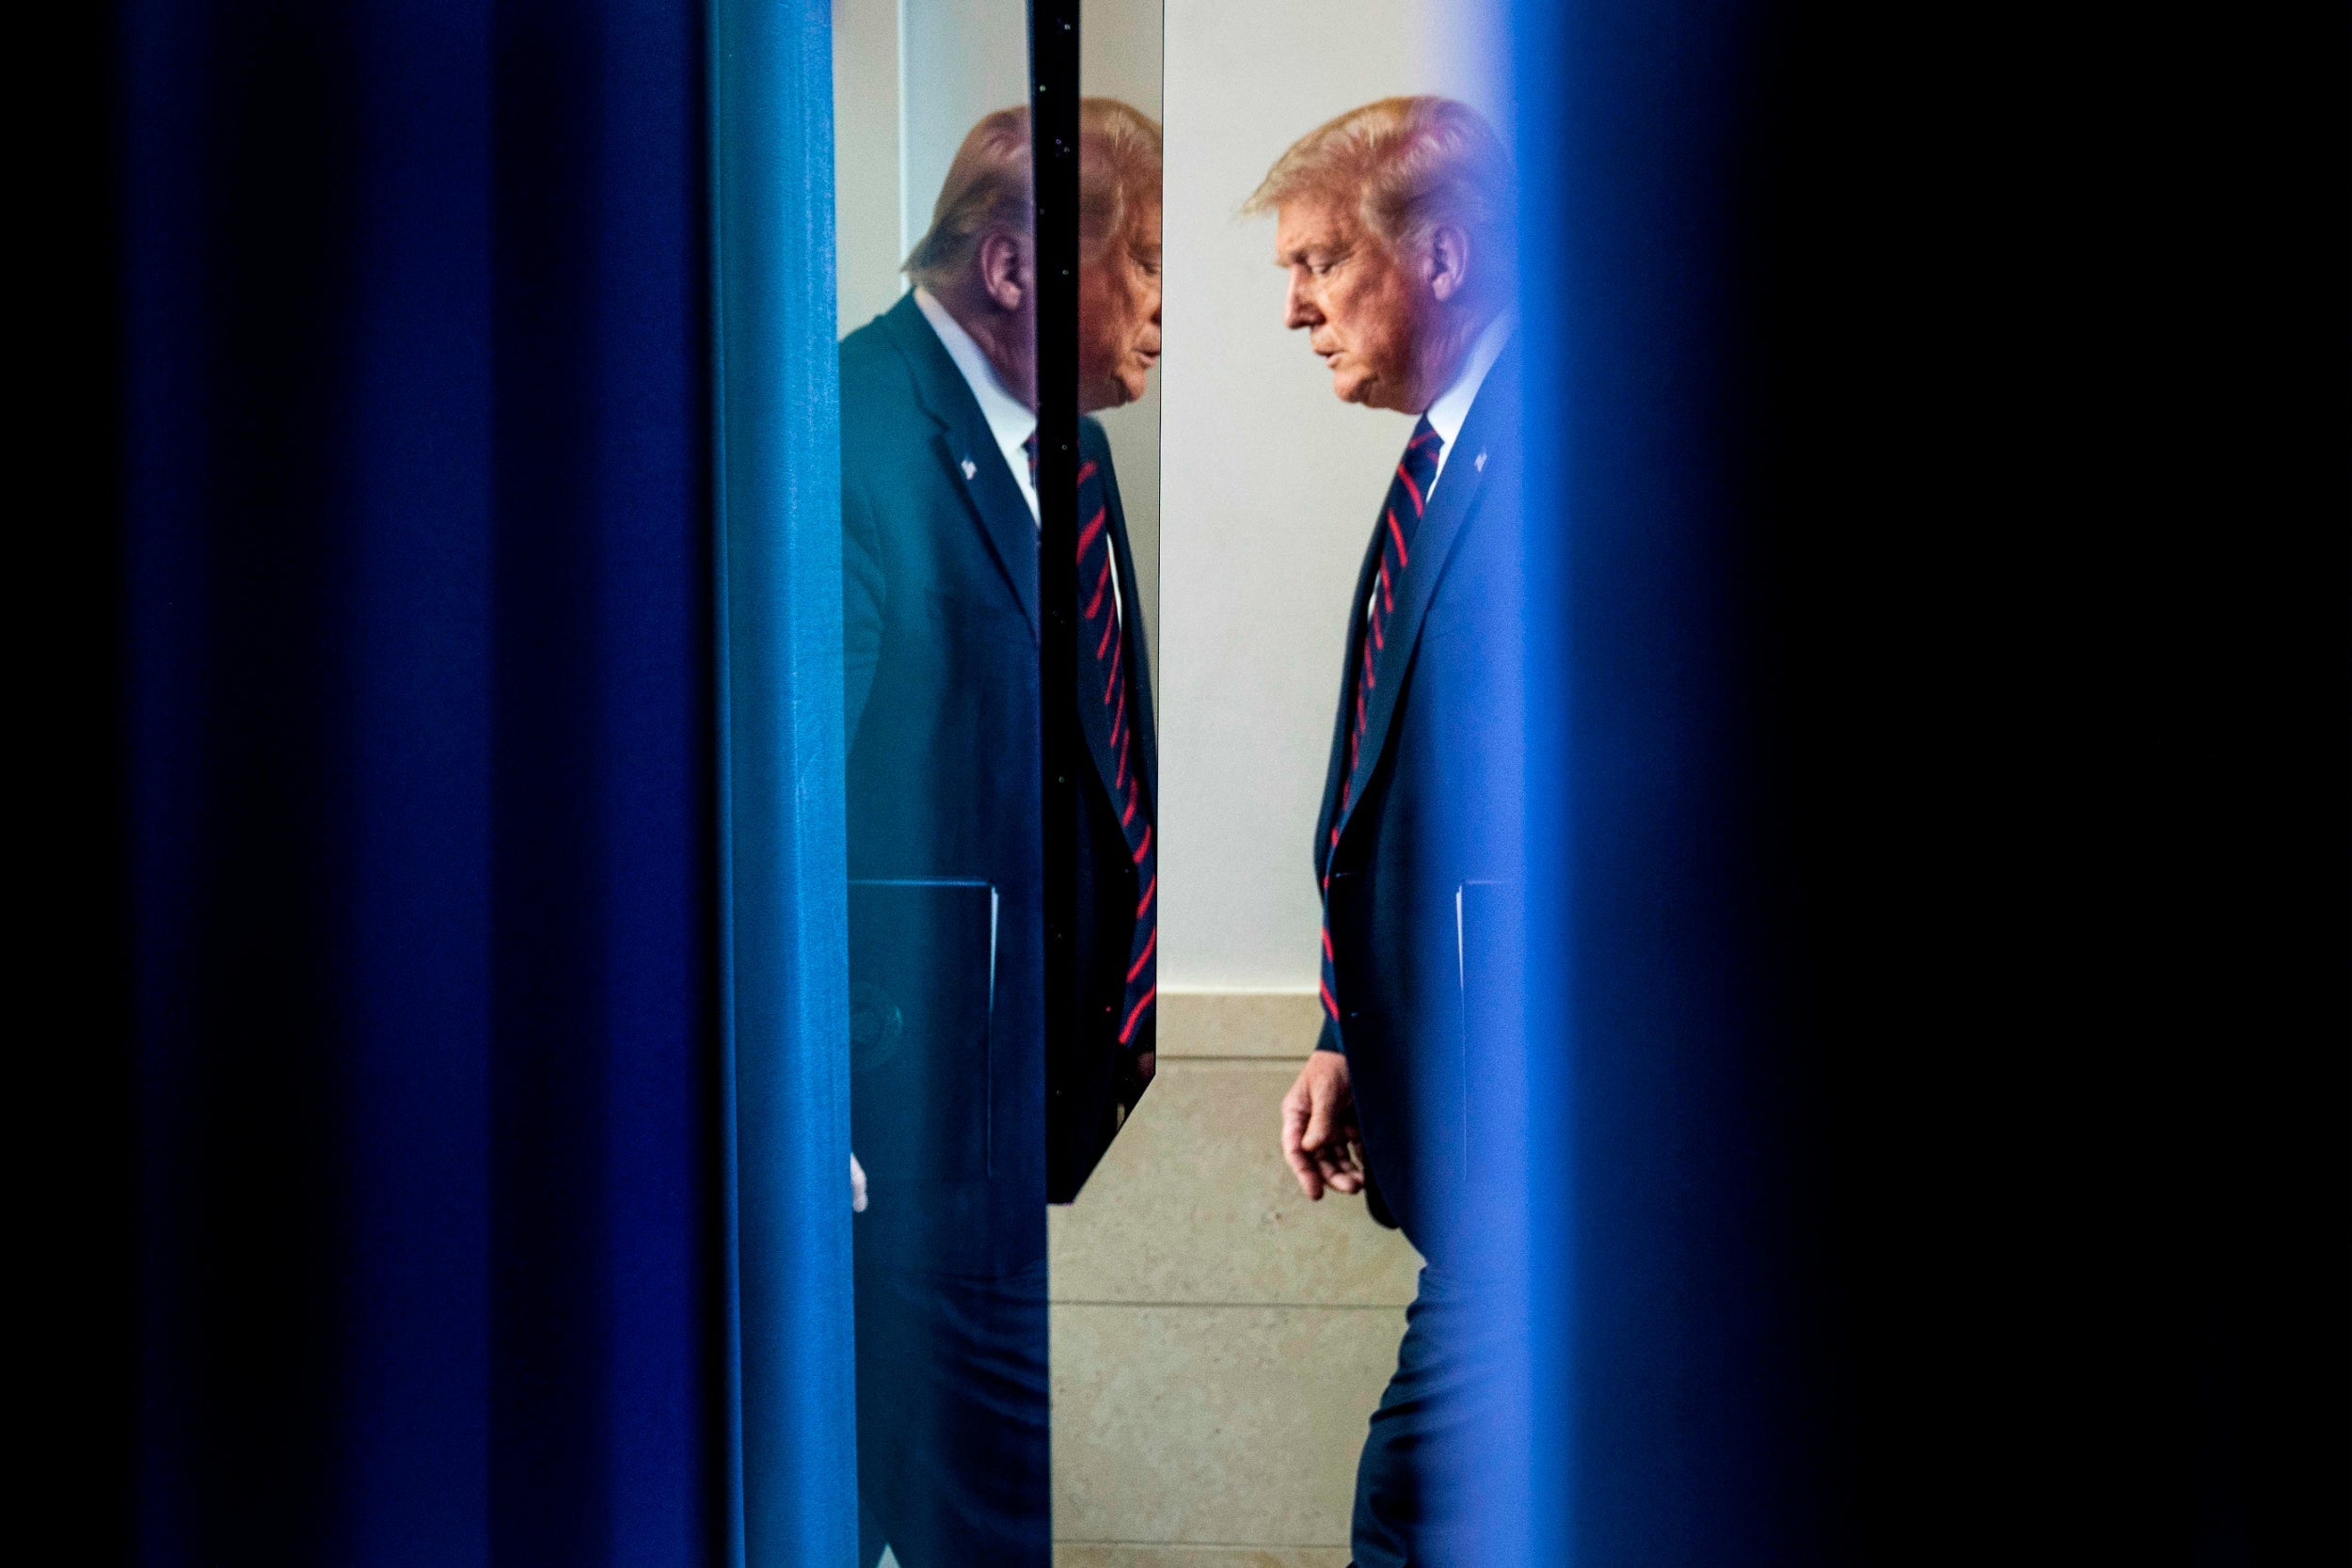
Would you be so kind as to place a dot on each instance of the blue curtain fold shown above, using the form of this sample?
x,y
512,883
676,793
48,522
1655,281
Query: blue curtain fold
x,y
1676,1415
787,894
421,686
1937,556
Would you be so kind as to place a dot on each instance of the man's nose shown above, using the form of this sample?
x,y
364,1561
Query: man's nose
x,y
1298,309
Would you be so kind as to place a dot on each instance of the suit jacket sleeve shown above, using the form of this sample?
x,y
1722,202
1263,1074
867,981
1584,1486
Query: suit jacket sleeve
x,y
864,596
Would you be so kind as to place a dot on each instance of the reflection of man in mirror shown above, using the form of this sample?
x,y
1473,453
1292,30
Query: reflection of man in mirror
x,y
1118,246
940,518
1391,223
1119,342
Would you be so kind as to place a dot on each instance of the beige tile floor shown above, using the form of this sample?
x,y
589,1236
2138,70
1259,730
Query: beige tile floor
x,y
1071,1553
1217,1341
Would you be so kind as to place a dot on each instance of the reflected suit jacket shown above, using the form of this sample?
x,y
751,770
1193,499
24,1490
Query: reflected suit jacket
x,y
940,612
1432,830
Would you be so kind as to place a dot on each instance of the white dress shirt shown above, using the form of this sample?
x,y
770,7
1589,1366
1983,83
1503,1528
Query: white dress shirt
x,y
1010,419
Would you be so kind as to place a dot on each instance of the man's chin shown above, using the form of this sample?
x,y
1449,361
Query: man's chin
x,y
1109,392
1371,392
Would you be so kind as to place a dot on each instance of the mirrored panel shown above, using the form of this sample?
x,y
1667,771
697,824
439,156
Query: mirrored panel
x,y
998,295
1101,1052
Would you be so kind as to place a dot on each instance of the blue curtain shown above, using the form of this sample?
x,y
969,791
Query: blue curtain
x,y
436,1065
1937,535
1937,555
1672,1421
787,898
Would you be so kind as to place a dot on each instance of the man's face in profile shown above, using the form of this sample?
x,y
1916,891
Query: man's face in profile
x,y
1118,315
1353,297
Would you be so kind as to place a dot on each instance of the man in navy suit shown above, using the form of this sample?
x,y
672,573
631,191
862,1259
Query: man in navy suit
x,y
940,519
1391,223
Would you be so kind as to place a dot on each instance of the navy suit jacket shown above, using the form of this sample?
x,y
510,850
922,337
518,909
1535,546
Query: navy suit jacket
x,y
1432,832
940,612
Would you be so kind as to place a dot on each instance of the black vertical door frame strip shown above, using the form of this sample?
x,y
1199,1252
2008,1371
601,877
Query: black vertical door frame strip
x,y
1054,130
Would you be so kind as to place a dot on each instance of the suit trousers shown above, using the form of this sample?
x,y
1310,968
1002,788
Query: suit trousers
x,y
1416,1485
953,1456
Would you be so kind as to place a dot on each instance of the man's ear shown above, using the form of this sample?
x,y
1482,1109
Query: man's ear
x,y
1445,264
1003,277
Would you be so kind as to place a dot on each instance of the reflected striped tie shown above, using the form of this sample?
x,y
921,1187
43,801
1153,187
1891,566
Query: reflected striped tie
x,y
1103,678
1400,518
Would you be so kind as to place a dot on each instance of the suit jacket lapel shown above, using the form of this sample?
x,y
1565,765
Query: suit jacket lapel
x,y
968,448
1433,545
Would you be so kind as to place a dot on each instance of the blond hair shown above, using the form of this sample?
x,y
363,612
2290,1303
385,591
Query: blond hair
x,y
988,185
1411,164
986,190
1119,170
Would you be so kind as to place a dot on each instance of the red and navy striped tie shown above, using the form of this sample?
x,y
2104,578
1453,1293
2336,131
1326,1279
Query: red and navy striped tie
x,y
1400,518
1103,678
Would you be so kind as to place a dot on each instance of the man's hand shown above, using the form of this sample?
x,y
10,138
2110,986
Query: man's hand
x,y
857,1186
1319,1135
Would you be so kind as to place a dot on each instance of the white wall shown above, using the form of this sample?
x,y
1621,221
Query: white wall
x,y
866,159
1270,484
958,60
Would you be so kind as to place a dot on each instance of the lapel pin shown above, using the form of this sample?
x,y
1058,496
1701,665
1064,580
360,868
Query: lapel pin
x,y
971,470
1479,463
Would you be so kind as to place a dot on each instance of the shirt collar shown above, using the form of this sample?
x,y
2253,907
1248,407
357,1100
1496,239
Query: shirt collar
x,y
1451,410
1009,420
